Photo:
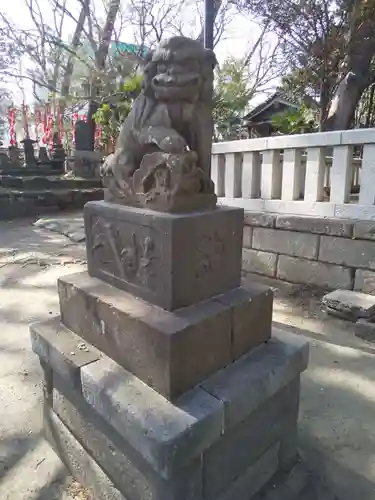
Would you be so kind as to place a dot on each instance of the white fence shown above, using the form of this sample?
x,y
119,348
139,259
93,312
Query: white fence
x,y
292,174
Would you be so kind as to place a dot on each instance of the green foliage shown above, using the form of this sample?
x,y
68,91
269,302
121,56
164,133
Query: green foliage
x,y
295,122
111,115
232,95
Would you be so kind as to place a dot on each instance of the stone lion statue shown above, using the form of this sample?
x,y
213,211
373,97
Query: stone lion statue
x,y
171,120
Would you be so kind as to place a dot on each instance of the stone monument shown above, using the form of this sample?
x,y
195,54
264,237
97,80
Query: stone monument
x,y
163,379
43,158
14,156
84,162
28,152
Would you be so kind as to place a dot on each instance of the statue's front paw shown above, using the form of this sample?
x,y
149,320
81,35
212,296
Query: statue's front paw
x,y
173,144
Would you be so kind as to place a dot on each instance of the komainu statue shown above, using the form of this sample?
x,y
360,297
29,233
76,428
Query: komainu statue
x,y
163,153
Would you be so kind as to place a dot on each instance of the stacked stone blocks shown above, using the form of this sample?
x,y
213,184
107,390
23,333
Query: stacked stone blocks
x,y
179,402
223,439
314,251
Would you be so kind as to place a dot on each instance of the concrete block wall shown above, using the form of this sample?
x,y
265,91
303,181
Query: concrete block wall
x,y
331,253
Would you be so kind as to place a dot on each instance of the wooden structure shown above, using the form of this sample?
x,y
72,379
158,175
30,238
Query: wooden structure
x,y
259,121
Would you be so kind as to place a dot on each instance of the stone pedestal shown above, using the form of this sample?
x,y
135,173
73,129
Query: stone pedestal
x,y
163,377
85,164
171,260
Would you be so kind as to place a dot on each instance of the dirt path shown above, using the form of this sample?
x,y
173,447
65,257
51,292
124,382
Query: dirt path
x,y
30,262
338,391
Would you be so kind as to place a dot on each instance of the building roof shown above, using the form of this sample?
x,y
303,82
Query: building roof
x,y
276,97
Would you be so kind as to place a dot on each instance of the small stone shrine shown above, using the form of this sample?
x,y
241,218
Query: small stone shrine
x,y
163,377
58,153
14,156
85,162
43,158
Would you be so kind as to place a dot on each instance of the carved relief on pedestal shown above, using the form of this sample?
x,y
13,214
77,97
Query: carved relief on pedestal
x,y
129,255
210,255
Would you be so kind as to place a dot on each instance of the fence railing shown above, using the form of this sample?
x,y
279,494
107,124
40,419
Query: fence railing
x,y
329,174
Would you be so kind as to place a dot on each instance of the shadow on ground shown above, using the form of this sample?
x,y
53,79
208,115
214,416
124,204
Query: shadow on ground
x,y
338,391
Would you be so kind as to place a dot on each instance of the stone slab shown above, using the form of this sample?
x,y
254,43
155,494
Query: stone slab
x,y
170,351
260,219
89,155
132,475
365,330
364,281
247,236
249,382
286,242
167,435
317,225
171,260
242,446
256,261
255,477
353,305
315,273
76,459
338,314
11,208
352,253
251,316
61,349
71,228
364,230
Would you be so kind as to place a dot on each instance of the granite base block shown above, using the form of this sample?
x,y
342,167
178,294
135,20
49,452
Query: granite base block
x,y
131,474
169,351
60,348
76,459
171,260
365,330
243,445
134,444
254,478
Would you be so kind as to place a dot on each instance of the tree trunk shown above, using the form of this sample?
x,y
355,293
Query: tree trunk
x,y
217,6
345,101
100,58
102,52
65,87
324,103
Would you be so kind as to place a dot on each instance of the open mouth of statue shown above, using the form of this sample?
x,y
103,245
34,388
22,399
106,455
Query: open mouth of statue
x,y
169,81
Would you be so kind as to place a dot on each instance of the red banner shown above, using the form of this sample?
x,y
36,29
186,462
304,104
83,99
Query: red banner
x,y
12,125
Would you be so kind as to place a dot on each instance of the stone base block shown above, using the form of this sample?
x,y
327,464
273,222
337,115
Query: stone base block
x,y
171,260
223,440
349,305
365,330
169,351
85,164
76,459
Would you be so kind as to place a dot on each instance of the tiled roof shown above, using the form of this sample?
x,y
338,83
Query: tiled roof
x,y
277,96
